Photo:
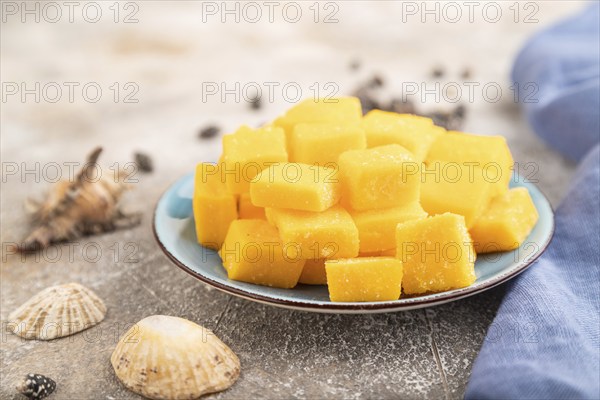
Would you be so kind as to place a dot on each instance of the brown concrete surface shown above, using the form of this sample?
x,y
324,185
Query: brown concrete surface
x,y
284,354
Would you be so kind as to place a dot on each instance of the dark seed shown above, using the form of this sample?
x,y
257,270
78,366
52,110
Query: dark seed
x,y
466,74
36,386
209,132
255,103
402,106
367,101
144,162
437,72
376,81
460,111
451,120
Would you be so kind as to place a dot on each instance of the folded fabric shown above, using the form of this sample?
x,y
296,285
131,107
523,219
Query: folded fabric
x,y
545,340
544,343
559,83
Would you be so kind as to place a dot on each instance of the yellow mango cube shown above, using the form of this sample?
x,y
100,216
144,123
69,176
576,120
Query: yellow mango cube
x,y
382,177
456,188
253,252
437,254
314,273
506,223
214,207
327,234
377,228
416,134
322,143
296,186
383,253
335,110
490,153
247,210
364,279
249,151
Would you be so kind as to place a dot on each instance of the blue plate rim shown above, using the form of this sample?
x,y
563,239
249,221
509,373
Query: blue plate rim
x,y
406,304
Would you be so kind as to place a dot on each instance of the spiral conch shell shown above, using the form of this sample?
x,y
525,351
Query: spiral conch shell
x,y
56,312
164,357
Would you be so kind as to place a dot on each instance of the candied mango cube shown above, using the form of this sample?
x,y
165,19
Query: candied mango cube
x,y
253,252
377,228
314,273
322,143
456,188
214,208
382,177
437,254
383,253
247,210
414,133
327,234
296,186
336,110
506,223
490,153
249,151
364,279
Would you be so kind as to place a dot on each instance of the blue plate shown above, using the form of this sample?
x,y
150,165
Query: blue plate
x,y
175,233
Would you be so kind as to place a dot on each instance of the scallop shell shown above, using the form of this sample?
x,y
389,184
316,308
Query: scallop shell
x,y
164,357
56,312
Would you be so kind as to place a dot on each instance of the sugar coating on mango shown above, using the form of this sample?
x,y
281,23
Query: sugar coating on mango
x,y
490,153
327,234
437,254
346,110
456,188
414,133
296,186
506,223
313,273
364,279
383,253
247,210
382,177
377,228
214,207
249,151
253,252
322,143
333,110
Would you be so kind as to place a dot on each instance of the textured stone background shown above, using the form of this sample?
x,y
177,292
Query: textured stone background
x,y
168,54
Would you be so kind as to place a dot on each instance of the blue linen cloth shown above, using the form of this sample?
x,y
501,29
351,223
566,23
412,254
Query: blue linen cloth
x,y
545,340
558,78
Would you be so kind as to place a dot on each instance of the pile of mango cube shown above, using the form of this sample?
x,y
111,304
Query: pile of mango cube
x,y
374,206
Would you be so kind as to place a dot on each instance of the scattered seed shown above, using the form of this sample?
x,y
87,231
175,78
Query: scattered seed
x,y
209,132
402,106
355,65
366,93
144,162
437,72
255,103
466,74
376,81
367,101
452,120
460,111
440,118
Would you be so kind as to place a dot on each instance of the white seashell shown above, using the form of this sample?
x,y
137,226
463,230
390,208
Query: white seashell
x,y
164,357
56,312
